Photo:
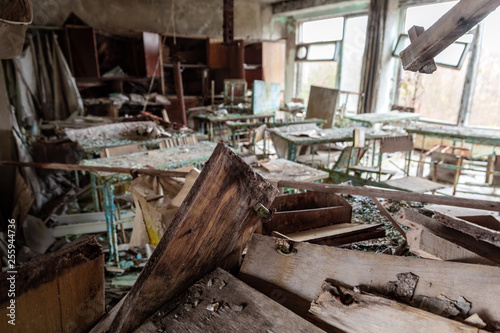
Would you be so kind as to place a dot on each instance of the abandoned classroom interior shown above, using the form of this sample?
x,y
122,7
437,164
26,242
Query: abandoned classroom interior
x,y
250,166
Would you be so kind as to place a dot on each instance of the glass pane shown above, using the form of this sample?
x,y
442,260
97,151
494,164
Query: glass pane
x,y
426,15
321,52
322,30
435,96
321,74
486,102
353,50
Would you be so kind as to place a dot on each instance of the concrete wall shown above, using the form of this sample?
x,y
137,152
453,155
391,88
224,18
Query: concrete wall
x,y
192,17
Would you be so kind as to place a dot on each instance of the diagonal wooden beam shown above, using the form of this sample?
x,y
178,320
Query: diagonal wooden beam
x,y
455,23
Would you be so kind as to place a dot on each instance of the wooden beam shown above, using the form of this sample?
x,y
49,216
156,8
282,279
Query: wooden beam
x,y
59,292
338,309
221,303
77,167
210,230
452,25
394,195
415,220
430,67
389,216
294,281
478,232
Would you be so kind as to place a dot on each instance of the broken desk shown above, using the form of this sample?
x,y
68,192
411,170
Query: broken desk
x,y
170,158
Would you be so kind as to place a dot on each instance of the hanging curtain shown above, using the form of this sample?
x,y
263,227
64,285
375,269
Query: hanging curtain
x,y
373,55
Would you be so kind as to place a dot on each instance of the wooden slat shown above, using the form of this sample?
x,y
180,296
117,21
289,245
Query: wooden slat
x,y
342,229
459,20
425,244
395,195
414,220
340,309
216,218
294,281
221,303
478,232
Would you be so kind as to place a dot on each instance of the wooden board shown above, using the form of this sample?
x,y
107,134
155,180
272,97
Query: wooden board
x,y
221,303
477,231
60,292
294,281
308,210
425,244
415,220
322,104
331,231
340,309
210,230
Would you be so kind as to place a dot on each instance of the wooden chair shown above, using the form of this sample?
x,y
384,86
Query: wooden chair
x,y
349,157
121,150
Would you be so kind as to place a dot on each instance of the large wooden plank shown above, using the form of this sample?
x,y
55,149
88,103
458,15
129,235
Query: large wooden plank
x,y
60,292
415,220
336,230
456,22
216,217
221,303
294,281
395,195
341,309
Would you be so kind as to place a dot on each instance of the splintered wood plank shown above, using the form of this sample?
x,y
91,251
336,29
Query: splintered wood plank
x,y
425,244
477,231
60,292
415,220
340,309
294,281
216,216
456,22
221,303
342,229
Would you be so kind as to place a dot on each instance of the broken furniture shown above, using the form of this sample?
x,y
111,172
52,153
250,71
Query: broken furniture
x,y
59,292
478,141
283,169
215,125
288,279
396,118
235,92
162,159
210,230
319,218
221,303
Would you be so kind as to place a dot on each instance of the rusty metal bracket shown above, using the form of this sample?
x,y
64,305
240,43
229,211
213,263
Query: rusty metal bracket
x,y
285,247
262,211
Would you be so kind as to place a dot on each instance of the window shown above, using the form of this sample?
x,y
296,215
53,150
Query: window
x,y
438,96
485,109
329,54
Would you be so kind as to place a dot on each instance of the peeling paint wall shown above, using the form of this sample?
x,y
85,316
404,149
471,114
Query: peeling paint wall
x,y
192,17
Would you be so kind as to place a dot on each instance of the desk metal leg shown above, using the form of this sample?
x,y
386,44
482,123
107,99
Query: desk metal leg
x,y
109,211
95,195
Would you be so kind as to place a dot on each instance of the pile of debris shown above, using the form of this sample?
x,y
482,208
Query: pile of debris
x,y
196,280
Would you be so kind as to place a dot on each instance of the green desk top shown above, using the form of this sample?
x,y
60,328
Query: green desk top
x,y
387,117
327,136
238,125
471,135
232,116
168,158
